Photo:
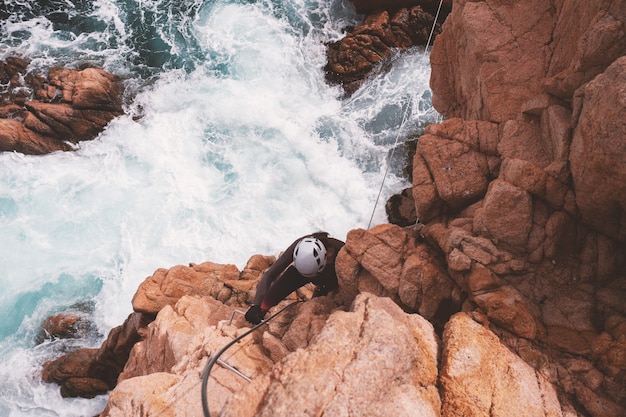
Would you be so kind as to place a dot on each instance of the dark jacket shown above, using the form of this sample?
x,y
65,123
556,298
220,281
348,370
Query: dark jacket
x,y
282,278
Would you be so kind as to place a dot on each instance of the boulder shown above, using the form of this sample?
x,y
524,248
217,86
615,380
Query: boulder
x,y
480,376
490,58
167,286
41,114
453,164
388,261
90,372
598,152
364,49
374,360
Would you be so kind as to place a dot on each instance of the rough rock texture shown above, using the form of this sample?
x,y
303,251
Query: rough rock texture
x,y
505,297
481,377
521,188
41,114
365,49
598,146
373,360
90,372
370,6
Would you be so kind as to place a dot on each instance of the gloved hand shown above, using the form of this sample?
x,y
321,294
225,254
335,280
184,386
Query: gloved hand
x,y
255,315
320,291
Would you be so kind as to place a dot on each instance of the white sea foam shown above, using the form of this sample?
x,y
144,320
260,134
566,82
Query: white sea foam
x,y
239,155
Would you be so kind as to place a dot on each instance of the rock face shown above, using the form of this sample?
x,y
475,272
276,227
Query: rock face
x,y
521,188
41,114
371,6
506,295
479,375
373,360
91,372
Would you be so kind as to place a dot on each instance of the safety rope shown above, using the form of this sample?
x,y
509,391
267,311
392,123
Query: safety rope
x,y
214,358
395,145
432,30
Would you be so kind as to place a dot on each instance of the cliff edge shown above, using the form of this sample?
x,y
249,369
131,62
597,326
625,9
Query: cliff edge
x,y
505,297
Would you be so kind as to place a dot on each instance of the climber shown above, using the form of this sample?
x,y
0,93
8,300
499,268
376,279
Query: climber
x,y
310,258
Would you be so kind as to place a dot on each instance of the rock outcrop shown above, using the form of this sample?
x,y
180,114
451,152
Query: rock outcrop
x,y
521,188
364,50
431,6
41,114
506,295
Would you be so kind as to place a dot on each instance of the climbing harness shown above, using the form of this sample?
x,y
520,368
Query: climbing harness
x,y
215,358
395,145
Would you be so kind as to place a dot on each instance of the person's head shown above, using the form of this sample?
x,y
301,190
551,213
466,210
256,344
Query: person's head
x,y
309,256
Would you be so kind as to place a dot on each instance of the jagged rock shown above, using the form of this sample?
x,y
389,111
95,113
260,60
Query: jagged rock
x,y
90,372
187,334
374,360
353,58
46,114
167,286
388,261
168,337
369,6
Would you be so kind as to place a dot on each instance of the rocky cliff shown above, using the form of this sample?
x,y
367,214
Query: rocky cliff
x,y
506,296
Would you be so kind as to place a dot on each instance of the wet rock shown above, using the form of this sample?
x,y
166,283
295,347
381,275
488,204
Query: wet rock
x,y
65,326
41,114
368,46
90,372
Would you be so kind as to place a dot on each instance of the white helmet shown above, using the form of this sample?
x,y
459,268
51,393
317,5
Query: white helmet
x,y
309,256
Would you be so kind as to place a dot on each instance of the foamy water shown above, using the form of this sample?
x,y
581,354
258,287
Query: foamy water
x,y
239,147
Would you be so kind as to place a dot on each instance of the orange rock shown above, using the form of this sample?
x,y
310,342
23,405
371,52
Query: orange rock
x,y
68,106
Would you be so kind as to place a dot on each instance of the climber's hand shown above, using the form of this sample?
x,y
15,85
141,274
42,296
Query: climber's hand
x,y
255,315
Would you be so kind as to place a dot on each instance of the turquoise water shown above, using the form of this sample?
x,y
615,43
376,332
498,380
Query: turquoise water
x,y
232,145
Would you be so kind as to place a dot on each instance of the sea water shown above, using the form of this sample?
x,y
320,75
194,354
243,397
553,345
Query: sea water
x,y
232,144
